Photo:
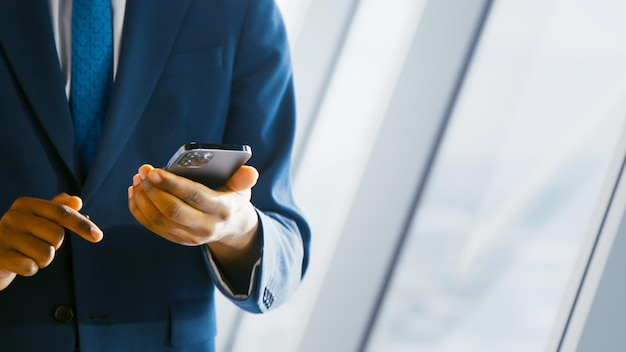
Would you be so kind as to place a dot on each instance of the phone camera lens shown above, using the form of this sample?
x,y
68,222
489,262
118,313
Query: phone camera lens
x,y
196,159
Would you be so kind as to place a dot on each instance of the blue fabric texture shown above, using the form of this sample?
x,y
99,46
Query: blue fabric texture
x,y
216,71
92,73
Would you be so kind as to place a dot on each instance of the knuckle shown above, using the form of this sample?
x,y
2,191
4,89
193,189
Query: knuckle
x,y
211,208
156,220
209,230
173,211
28,268
63,210
147,187
224,214
59,238
5,222
46,259
19,202
218,210
84,225
167,183
192,197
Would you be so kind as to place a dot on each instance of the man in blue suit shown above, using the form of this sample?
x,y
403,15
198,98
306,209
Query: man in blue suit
x,y
88,263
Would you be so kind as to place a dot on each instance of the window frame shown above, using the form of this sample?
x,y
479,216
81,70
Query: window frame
x,y
380,216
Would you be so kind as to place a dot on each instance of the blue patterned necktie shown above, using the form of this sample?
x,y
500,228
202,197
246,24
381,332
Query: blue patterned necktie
x,y
92,73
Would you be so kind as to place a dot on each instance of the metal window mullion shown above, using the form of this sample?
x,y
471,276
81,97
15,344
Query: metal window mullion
x,y
608,222
396,170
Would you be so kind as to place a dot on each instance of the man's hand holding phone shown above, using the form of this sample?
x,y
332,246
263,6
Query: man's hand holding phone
x,y
190,213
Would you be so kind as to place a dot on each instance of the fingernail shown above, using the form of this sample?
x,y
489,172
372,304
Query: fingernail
x,y
96,233
143,173
154,176
136,180
131,192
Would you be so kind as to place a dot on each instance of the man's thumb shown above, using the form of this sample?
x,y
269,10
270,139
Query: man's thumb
x,y
243,179
73,202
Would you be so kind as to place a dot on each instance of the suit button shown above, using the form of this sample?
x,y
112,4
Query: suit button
x,y
64,314
268,298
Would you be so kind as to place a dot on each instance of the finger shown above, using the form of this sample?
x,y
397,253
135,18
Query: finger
x,y
68,218
43,229
149,217
198,196
142,208
136,211
76,203
243,179
146,212
73,202
144,170
40,252
16,262
170,217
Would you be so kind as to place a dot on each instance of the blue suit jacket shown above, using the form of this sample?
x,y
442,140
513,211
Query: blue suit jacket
x,y
214,71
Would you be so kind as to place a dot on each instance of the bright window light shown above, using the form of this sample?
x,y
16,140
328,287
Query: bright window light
x,y
498,232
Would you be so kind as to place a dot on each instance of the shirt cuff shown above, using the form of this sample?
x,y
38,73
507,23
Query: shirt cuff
x,y
226,288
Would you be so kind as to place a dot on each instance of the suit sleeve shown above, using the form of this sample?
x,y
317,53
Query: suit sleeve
x,y
262,114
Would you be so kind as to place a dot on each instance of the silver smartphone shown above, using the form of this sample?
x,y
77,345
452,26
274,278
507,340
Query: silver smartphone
x,y
209,164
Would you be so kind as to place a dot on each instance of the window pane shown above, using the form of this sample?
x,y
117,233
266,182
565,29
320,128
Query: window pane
x,y
293,12
499,228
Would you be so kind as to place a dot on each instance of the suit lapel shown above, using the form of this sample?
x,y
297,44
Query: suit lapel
x,y
28,41
149,32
